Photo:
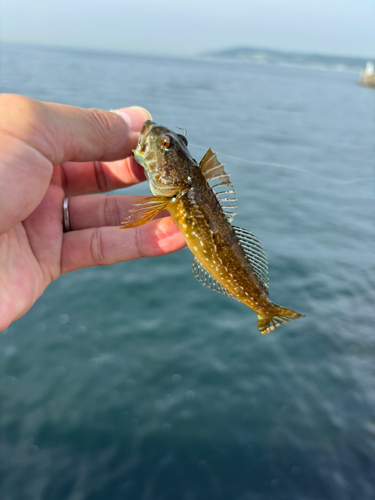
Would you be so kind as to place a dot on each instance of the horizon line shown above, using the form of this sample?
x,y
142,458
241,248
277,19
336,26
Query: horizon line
x,y
202,54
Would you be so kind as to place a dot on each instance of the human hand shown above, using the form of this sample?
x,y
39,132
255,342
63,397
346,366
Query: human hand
x,y
48,151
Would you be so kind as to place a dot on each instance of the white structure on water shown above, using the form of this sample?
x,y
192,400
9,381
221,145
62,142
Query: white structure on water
x,y
368,76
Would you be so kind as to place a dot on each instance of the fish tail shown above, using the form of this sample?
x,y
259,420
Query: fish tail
x,y
283,315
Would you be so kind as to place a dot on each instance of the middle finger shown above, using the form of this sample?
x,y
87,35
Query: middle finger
x,y
100,210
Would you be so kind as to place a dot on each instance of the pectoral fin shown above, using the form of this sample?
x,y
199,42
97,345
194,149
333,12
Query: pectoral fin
x,y
145,210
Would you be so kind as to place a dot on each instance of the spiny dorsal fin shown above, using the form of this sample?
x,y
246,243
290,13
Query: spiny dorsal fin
x,y
208,280
208,162
216,177
255,253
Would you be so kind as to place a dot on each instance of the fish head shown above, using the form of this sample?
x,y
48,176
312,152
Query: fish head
x,y
165,158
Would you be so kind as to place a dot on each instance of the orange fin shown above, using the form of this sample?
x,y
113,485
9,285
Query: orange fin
x,y
145,210
284,315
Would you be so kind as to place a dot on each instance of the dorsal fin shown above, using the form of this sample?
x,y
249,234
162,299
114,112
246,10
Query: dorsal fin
x,y
209,161
216,177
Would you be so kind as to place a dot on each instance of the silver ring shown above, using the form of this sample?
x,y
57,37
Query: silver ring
x,y
66,218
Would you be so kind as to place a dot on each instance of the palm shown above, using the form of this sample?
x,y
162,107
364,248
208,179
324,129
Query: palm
x,y
31,253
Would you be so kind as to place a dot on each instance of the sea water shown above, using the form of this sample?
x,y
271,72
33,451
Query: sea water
x,y
135,382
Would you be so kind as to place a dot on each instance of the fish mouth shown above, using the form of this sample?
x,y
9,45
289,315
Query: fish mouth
x,y
143,145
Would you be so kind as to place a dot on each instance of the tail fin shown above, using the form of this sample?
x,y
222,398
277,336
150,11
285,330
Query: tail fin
x,y
283,315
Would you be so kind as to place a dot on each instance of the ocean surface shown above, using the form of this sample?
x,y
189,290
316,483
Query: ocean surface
x,y
133,381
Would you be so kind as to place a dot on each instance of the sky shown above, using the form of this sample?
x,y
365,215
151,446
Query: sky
x,y
190,27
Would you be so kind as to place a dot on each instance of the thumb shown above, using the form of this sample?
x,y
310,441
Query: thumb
x,y
66,133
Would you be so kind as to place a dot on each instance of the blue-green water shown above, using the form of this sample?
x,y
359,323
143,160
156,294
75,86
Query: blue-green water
x,y
135,382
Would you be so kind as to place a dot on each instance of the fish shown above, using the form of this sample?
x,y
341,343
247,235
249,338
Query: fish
x,y
202,203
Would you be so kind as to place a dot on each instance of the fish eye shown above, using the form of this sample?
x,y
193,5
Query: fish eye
x,y
165,141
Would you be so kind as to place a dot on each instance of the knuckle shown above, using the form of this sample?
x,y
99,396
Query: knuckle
x,y
107,211
102,124
107,130
112,211
101,178
139,242
97,248
101,119
117,211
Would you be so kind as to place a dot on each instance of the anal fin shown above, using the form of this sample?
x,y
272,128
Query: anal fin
x,y
145,210
208,280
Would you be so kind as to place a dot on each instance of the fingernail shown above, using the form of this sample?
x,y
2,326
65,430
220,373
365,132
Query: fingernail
x,y
134,116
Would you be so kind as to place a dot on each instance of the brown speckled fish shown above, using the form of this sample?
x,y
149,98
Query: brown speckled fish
x,y
201,201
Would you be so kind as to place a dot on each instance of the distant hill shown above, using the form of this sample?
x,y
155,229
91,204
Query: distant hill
x,y
267,56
